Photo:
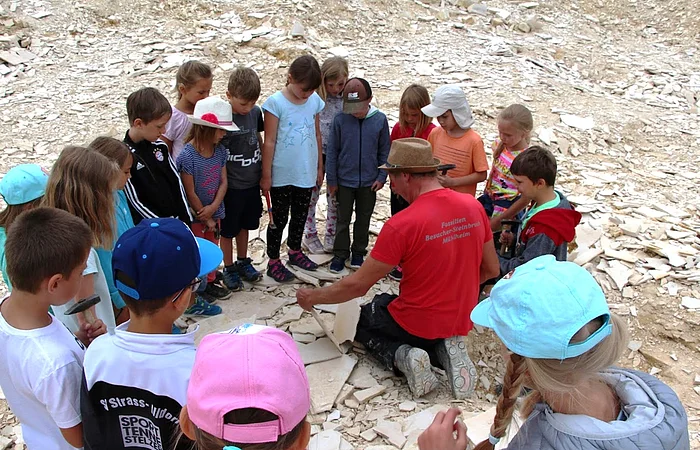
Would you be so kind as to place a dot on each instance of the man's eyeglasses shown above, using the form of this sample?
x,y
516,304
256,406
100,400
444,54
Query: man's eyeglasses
x,y
194,285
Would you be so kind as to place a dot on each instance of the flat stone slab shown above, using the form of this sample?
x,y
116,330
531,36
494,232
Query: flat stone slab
x,y
346,318
216,324
326,440
318,351
326,380
254,303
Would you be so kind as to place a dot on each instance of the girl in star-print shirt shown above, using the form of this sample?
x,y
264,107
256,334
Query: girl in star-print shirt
x,y
292,162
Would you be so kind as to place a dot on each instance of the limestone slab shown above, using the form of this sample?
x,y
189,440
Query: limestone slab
x,y
216,324
362,378
368,394
326,440
391,431
318,351
321,259
292,314
307,325
346,318
422,420
304,338
479,425
326,380
246,304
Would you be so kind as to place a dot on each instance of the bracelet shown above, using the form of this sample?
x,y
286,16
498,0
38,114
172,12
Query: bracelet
x,y
493,440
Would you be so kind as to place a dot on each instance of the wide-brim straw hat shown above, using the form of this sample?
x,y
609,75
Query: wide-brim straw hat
x,y
411,155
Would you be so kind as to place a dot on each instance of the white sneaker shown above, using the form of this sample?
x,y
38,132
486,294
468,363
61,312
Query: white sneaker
x,y
461,373
312,245
328,243
415,364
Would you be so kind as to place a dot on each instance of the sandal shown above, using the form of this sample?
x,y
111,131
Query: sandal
x,y
302,261
278,272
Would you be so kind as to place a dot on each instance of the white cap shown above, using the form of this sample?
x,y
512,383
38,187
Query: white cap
x,y
451,97
213,112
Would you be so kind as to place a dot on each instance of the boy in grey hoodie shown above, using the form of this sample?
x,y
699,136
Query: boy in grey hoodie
x,y
359,143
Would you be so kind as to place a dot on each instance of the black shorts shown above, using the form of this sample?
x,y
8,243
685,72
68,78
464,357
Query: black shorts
x,y
243,211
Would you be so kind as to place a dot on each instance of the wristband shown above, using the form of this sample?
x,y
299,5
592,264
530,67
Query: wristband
x,y
493,440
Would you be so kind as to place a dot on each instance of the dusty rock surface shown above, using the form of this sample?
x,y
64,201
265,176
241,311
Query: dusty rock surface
x,y
614,88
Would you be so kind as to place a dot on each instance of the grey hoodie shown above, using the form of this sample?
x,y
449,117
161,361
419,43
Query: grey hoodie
x,y
655,420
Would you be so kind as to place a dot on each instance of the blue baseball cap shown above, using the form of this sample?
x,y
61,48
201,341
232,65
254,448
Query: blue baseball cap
x,y
161,257
538,309
23,183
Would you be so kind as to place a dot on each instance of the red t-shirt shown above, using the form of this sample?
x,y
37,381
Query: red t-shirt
x,y
438,240
396,132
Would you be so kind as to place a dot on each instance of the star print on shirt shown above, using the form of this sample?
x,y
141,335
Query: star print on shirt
x,y
305,130
288,140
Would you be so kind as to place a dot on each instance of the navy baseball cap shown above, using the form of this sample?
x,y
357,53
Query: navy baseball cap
x,y
161,257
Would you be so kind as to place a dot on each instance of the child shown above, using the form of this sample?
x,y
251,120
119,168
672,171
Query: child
x,y
136,380
248,391
22,189
292,161
412,123
116,151
334,75
155,188
244,169
454,142
550,223
562,342
202,167
358,145
82,182
41,367
500,199
193,82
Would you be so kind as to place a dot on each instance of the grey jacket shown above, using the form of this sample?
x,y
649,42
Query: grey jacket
x,y
655,420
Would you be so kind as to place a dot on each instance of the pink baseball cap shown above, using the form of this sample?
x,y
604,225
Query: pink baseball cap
x,y
250,366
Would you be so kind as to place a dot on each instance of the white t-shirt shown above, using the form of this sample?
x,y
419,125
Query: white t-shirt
x,y
176,131
103,310
40,374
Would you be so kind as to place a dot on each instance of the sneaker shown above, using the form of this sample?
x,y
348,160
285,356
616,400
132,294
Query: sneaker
x,y
337,264
461,373
415,364
278,272
396,274
245,270
328,243
207,298
302,261
313,245
232,280
202,308
219,277
216,291
356,261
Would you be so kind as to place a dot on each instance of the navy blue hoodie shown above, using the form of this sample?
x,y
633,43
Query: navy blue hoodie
x,y
356,148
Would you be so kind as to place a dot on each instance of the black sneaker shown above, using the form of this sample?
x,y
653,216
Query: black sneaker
x,y
337,264
216,291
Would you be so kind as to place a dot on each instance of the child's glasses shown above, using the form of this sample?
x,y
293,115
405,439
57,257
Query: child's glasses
x,y
194,285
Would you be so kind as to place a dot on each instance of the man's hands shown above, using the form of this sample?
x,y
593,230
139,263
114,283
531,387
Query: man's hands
x,y
440,435
305,299
88,332
377,185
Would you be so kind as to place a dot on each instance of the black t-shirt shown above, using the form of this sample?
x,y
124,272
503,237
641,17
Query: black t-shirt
x,y
244,162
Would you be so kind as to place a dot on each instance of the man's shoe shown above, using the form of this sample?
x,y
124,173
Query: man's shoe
x,y
337,264
461,373
415,364
245,270
232,280
356,261
216,291
202,308
396,273
312,245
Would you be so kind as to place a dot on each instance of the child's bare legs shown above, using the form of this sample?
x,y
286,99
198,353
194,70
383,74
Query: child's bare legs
x,y
242,244
227,247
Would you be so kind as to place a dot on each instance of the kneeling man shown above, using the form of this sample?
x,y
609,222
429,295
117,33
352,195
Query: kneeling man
x,y
444,245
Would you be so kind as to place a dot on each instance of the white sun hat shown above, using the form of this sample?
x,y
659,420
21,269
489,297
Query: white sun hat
x,y
213,112
451,97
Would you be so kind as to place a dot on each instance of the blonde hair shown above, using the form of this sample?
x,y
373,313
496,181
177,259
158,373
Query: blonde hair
x,y
519,116
189,74
115,150
414,97
332,69
200,135
552,377
82,182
